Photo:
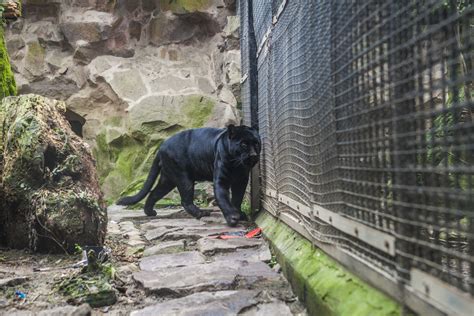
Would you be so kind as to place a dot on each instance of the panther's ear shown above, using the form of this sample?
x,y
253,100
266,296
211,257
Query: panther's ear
x,y
231,130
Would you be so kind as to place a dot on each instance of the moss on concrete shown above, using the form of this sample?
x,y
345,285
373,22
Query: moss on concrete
x,y
197,109
323,285
7,81
35,52
123,163
184,6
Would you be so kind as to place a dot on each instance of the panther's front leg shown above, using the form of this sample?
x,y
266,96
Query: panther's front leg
x,y
221,192
239,184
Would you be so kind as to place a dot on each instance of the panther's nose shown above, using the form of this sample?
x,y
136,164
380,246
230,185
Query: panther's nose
x,y
253,153
253,160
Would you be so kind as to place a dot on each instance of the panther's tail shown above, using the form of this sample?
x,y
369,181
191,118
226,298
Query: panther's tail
x,y
150,180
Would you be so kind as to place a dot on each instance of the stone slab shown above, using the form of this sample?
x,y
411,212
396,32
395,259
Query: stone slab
x,y
82,310
196,233
204,303
215,276
172,246
12,281
215,217
132,236
169,223
211,246
277,308
118,213
254,254
160,232
172,260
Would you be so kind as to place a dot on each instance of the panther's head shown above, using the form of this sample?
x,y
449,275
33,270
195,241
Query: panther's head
x,y
244,144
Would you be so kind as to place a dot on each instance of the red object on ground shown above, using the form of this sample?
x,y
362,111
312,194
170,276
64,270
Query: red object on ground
x,y
228,236
254,233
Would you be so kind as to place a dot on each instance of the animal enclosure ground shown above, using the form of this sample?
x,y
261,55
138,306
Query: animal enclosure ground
x,y
157,265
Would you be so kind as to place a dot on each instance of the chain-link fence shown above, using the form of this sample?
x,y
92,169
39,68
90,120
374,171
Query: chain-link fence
x,y
365,109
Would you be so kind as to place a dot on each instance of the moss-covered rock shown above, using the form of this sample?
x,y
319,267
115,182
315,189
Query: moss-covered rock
x,y
92,285
184,6
7,81
51,198
125,150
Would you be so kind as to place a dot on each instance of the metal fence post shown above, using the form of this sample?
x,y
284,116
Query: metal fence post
x,y
253,83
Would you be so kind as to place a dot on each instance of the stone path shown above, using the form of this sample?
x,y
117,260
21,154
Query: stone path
x,y
185,271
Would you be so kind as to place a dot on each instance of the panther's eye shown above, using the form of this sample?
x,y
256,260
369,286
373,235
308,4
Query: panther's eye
x,y
243,145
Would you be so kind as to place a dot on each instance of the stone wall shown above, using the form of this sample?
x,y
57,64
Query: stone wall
x,y
137,71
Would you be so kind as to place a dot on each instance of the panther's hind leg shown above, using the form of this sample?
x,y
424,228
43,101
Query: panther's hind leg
x,y
186,191
163,187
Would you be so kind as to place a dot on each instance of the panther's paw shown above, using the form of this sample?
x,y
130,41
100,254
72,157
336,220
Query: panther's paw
x,y
204,213
232,219
151,212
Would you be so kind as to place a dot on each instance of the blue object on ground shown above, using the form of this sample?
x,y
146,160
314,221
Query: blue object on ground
x,y
20,294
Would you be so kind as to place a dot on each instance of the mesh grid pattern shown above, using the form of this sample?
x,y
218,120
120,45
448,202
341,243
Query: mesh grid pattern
x,y
245,58
365,109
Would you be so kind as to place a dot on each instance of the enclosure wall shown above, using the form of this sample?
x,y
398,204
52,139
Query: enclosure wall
x,y
365,113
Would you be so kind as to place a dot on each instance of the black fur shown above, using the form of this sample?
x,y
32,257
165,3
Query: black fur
x,y
224,156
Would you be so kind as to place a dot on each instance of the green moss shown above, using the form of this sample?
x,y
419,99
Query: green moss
x,y
246,207
7,81
92,287
35,54
124,163
321,283
184,6
198,109
113,121
46,171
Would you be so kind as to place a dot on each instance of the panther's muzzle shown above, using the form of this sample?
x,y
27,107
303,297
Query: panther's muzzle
x,y
253,157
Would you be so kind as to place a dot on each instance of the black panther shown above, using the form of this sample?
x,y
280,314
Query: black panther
x,y
224,156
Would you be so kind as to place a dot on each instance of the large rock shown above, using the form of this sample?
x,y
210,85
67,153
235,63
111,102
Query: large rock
x,y
210,246
213,276
204,303
47,32
89,26
82,310
51,198
168,28
173,260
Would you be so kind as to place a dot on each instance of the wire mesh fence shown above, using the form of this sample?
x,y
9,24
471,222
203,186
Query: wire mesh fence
x,y
365,109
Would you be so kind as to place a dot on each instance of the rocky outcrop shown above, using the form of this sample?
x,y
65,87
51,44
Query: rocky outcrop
x,y
50,198
136,71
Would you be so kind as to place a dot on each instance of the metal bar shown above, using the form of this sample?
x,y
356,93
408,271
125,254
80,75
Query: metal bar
x,y
279,12
264,41
438,293
244,78
303,209
373,237
271,193
253,78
